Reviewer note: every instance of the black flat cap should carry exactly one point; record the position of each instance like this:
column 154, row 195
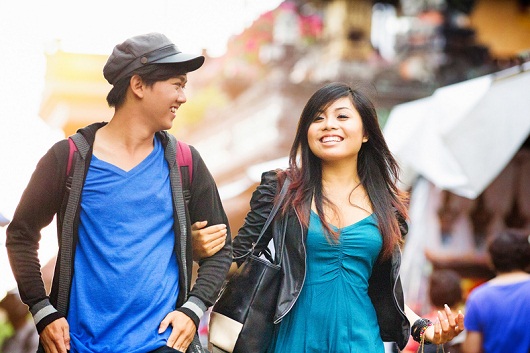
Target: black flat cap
column 145, row 49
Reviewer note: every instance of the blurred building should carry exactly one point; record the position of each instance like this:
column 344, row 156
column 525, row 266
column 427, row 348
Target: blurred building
column 75, row 90
column 244, row 106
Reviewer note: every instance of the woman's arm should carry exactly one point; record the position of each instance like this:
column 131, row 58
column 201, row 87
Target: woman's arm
column 261, row 205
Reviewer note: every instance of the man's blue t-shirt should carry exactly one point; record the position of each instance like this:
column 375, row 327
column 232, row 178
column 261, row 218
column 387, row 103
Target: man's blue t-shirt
column 125, row 270
column 500, row 312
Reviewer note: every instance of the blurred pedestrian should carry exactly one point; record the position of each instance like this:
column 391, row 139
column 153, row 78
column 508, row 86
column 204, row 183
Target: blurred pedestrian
column 445, row 288
column 344, row 218
column 129, row 273
column 25, row 338
column 497, row 312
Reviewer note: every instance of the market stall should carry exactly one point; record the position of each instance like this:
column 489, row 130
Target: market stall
column 465, row 155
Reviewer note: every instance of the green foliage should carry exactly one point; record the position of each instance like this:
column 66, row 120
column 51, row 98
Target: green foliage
column 382, row 115
column 6, row 330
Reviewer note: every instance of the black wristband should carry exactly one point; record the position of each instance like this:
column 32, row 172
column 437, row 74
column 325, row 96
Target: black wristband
column 418, row 329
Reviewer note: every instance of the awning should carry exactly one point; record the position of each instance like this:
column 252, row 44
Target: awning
column 463, row 136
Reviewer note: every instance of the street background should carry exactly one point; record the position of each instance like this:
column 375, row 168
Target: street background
column 449, row 80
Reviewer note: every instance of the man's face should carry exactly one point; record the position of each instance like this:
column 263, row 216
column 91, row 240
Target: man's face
column 163, row 99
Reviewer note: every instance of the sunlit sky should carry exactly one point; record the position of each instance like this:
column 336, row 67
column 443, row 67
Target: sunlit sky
column 95, row 26
column 29, row 28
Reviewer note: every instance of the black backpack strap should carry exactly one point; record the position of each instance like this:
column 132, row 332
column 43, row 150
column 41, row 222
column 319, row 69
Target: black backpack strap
column 73, row 187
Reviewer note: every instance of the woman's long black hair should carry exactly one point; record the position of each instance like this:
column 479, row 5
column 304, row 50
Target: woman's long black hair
column 377, row 168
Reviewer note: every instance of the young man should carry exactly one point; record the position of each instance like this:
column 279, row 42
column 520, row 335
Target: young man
column 128, row 266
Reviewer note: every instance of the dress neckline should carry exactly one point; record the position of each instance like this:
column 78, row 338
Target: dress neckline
column 354, row 224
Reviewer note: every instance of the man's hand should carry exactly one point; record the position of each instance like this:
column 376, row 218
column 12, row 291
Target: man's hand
column 55, row 337
column 183, row 330
column 206, row 241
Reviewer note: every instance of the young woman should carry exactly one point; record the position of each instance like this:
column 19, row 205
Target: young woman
column 344, row 218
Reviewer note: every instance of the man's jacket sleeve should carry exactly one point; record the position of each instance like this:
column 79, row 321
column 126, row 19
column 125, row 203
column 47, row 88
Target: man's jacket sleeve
column 38, row 205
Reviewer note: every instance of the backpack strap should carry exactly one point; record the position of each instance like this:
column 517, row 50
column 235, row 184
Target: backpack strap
column 78, row 150
column 184, row 159
column 73, row 149
column 75, row 175
column 185, row 163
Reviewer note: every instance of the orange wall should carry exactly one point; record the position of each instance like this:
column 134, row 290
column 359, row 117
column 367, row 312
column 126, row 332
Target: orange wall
column 501, row 26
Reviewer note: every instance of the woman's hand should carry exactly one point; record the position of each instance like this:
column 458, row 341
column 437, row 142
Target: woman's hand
column 447, row 327
column 206, row 241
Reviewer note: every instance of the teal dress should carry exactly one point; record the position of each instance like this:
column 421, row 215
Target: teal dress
column 334, row 312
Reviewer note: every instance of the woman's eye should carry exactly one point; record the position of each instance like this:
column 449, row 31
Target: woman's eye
column 318, row 118
column 342, row 117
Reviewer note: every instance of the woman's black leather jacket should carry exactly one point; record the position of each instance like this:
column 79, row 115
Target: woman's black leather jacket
column 385, row 288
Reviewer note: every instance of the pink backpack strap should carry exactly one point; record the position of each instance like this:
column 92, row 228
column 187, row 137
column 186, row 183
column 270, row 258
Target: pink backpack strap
column 73, row 149
column 184, row 157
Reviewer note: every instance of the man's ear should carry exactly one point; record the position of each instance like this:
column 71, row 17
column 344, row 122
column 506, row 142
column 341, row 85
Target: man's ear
column 137, row 86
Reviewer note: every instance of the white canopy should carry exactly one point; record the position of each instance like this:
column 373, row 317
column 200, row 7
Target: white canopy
column 462, row 136
column 459, row 139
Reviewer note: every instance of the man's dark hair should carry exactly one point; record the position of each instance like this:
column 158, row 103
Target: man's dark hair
column 150, row 74
column 510, row 250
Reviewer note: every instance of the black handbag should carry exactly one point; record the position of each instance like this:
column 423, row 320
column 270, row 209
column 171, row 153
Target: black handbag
column 241, row 320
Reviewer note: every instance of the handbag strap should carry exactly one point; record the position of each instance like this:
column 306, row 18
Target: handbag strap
column 280, row 242
column 270, row 218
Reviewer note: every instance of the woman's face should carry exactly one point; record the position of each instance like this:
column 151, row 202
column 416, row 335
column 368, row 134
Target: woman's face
column 337, row 134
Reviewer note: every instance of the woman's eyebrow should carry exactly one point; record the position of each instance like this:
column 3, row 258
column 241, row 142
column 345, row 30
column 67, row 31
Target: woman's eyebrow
column 343, row 108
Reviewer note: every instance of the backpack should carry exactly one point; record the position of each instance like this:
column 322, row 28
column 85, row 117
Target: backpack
column 77, row 143
column 78, row 149
column 184, row 161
